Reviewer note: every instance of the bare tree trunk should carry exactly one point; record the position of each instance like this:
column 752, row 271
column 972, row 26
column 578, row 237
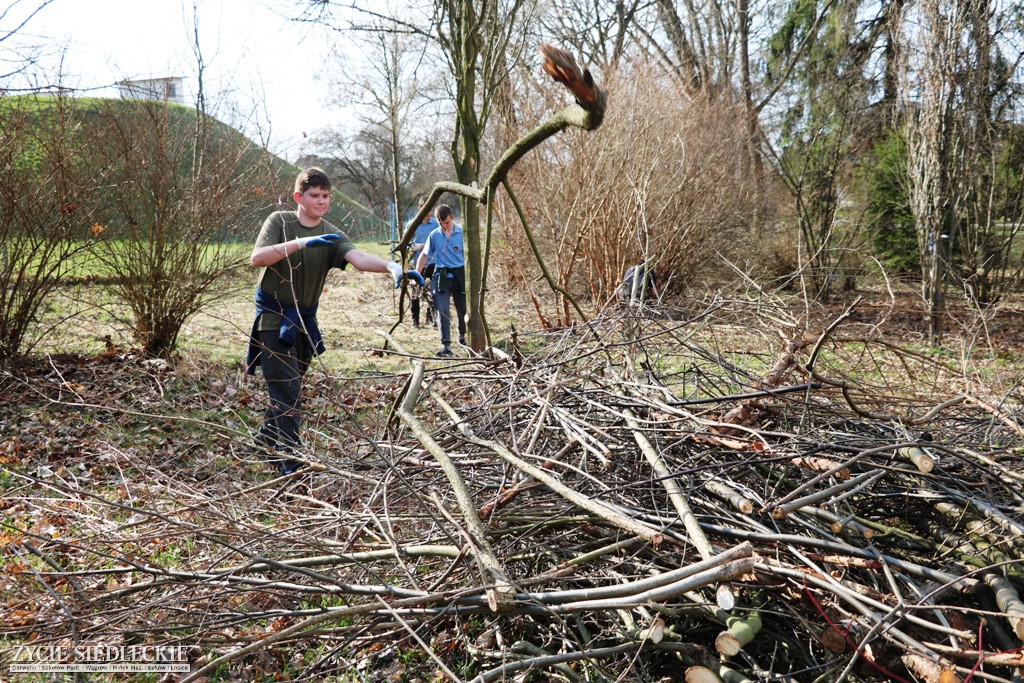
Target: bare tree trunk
column 753, row 127
column 395, row 105
column 985, row 249
column 466, row 38
column 935, row 143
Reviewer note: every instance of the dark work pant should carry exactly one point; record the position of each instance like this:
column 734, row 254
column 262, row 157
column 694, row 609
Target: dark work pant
column 442, row 303
column 428, row 272
column 283, row 369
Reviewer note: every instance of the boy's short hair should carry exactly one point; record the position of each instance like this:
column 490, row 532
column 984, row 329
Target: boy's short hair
column 442, row 212
column 312, row 177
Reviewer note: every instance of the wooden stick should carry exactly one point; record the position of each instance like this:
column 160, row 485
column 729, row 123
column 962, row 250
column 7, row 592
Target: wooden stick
column 921, row 460
column 502, row 591
column 725, row 492
column 672, row 488
column 847, row 487
column 1009, row 602
column 739, row 633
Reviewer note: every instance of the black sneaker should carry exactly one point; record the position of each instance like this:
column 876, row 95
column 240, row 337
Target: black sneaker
column 415, row 325
column 462, row 341
column 445, row 351
column 289, row 466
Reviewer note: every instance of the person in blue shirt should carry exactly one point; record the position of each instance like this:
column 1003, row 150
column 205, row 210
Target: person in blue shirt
column 423, row 231
column 444, row 246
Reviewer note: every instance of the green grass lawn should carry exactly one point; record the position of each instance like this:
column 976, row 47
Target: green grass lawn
column 85, row 317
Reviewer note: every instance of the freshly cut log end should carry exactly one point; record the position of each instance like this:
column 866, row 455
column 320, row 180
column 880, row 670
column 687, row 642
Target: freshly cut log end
column 740, row 632
column 700, row 674
column 921, row 460
column 852, row 527
column 928, row 670
column 725, row 492
column 727, row 644
column 724, row 597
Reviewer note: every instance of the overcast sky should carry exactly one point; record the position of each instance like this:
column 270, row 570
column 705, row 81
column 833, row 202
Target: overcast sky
column 263, row 72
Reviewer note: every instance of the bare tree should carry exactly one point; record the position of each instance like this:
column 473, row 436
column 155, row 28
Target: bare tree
column 172, row 210
column 472, row 37
column 362, row 165
column 181, row 188
column 598, row 31
column 475, row 40
column 938, row 136
column 996, row 45
column 828, row 97
column 587, row 113
column 389, row 89
column 702, row 43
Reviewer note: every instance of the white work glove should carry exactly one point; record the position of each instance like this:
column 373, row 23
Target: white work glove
column 318, row 240
column 396, row 271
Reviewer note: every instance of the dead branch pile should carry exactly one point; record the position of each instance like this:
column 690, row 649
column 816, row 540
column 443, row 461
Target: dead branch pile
column 616, row 502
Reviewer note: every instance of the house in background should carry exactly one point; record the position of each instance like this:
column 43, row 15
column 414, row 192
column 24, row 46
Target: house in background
column 169, row 89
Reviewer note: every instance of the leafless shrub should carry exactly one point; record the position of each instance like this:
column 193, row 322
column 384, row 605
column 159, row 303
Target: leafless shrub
column 179, row 194
column 664, row 178
column 776, row 257
column 44, row 216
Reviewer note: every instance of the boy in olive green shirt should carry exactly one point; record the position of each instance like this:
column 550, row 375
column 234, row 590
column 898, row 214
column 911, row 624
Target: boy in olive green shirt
column 294, row 251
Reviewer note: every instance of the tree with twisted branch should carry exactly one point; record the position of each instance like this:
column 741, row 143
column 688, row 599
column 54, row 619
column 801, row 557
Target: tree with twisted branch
column 587, row 113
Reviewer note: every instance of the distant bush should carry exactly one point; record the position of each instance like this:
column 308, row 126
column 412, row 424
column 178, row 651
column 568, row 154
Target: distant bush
column 181, row 187
column 665, row 178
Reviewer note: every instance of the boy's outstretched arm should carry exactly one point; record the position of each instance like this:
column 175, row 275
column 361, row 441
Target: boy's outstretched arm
column 272, row 253
column 373, row 264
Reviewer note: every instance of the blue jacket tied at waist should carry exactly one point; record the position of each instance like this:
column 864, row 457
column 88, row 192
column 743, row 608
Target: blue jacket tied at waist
column 294, row 319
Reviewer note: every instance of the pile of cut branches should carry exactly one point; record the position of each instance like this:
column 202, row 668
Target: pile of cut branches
column 634, row 499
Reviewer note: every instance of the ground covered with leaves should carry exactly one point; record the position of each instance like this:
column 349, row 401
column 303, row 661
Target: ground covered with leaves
column 739, row 488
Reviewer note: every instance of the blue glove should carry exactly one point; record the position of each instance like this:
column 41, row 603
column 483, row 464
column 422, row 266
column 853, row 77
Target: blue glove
column 410, row 275
column 319, row 240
